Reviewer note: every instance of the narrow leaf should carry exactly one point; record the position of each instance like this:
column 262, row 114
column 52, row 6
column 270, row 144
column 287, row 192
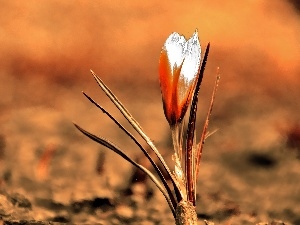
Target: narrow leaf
column 138, row 128
column 117, row 150
column 139, row 145
column 190, row 155
column 205, row 134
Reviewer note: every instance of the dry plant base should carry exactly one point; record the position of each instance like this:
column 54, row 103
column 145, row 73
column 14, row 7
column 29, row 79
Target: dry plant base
column 186, row 213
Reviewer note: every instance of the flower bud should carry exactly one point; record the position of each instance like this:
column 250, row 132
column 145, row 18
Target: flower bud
column 179, row 65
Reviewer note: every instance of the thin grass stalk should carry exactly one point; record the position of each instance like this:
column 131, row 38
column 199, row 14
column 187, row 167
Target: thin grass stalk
column 204, row 133
column 138, row 128
column 189, row 156
column 176, row 131
column 158, row 171
column 117, row 150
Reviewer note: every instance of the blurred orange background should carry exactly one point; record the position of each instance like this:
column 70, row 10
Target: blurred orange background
column 63, row 40
column 51, row 44
column 48, row 47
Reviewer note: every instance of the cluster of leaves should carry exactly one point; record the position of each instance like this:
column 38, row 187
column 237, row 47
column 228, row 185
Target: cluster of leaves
column 180, row 72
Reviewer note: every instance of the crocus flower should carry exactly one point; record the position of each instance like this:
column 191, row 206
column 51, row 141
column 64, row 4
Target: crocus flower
column 178, row 69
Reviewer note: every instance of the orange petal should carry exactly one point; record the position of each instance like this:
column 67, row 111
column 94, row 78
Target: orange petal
column 166, row 83
column 178, row 69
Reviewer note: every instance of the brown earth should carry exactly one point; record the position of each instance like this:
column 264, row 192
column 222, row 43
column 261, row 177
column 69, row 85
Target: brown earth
column 50, row 172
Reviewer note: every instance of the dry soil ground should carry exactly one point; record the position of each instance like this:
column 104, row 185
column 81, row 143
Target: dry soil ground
column 250, row 169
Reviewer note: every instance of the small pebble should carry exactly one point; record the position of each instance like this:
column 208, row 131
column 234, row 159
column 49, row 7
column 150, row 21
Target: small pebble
column 124, row 212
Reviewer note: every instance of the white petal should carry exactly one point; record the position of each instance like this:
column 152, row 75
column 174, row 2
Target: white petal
column 174, row 47
column 192, row 57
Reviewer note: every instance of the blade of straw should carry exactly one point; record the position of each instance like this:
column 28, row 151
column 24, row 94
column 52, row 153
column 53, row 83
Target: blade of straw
column 117, row 150
column 138, row 128
column 190, row 155
column 205, row 127
column 139, row 145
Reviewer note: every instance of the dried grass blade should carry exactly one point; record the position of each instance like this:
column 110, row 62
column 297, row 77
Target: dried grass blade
column 158, row 171
column 138, row 128
column 190, row 152
column 115, row 100
column 204, row 134
column 117, row 150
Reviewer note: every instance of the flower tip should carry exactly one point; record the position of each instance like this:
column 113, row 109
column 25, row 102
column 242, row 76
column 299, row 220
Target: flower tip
column 178, row 69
